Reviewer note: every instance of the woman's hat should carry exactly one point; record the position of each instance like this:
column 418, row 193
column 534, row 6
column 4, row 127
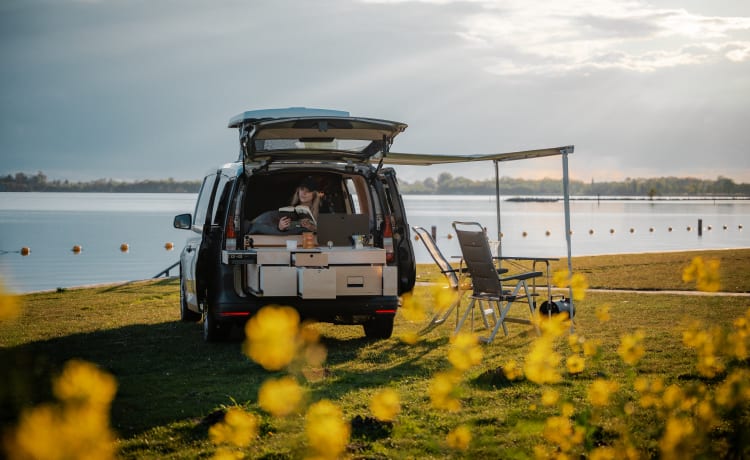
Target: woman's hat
column 309, row 183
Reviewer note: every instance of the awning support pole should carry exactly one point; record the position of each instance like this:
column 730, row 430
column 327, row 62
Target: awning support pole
column 497, row 210
column 566, row 198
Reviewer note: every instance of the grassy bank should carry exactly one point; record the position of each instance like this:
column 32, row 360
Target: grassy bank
column 170, row 381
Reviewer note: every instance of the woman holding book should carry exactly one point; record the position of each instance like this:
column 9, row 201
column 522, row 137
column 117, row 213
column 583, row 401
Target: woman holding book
column 307, row 196
column 300, row 217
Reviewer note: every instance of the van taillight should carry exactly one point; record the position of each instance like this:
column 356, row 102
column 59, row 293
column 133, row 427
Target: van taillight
column 231, row 235
column 388, row 240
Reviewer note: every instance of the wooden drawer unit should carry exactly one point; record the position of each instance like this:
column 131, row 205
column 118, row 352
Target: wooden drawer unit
column 272, row 281
column 316, row 283
column 359, row 280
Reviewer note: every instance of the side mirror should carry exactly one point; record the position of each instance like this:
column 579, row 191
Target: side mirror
column 183, row 221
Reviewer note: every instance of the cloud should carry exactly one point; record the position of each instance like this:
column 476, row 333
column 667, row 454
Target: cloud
column 521, row 37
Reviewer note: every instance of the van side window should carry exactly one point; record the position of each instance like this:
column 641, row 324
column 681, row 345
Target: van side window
column 204, row 199
column 353, row 196
column 220, row 209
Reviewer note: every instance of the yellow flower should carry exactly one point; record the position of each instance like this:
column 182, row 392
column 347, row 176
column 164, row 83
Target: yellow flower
column 550, row 397
column 591, row 347
column 602, row 313
column 465, row 351
column 385, row 405
column 327, row 432
column 575, row 364
column 673, row 397
column 631, row 348
column 600, row 391
column 561, row 432
column 271, row 337
column 541, row 365
column 604, row 453
column 574, row 342
column 567, row 409
column 577, row 283
column 10, row 306
column 223, row 453
column 412, row 308
column 280, row 397
column 442, row 391
column 443, row 296
column 554, row 326
column 734, row 390
column 459, row 438
column 676, row 442
column 83, row 383
column 512, row 370
column 55, row 432
column 409, row 337
column 704, row 273
column 238, row 428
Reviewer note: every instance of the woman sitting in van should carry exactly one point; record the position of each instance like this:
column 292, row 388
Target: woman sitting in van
column 293, row 219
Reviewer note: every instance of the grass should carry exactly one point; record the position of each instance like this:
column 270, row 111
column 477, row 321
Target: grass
column 170, row 381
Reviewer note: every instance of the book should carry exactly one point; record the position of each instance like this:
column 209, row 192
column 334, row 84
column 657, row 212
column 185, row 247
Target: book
column 297, row 213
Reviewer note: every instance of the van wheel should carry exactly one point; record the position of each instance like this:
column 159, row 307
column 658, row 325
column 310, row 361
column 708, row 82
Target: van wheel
column 187, row 315
column 213, row 330
column 380, row 327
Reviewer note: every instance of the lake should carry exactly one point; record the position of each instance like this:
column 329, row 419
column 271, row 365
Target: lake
column 50, row 224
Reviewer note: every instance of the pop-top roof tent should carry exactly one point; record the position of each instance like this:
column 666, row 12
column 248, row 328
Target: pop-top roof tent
column 288, row 132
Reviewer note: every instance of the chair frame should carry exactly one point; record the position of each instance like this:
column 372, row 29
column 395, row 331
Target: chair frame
column 488, row 286
column 453, row 275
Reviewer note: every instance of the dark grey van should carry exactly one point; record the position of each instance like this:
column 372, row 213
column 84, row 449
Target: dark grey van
column 352, row 270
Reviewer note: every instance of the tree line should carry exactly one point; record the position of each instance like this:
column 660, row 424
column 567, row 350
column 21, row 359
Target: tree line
column 21, row 182
column 445, row 184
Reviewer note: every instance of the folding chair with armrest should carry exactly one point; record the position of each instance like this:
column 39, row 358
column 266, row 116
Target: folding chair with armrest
column 487, row 286
column 451, row 274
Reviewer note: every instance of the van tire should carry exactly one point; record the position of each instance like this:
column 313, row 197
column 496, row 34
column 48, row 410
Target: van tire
column 187, row 315
column 378, row 328
column 213, row 330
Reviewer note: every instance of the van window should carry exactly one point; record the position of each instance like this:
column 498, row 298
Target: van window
column 220, row 207
column 353, row 196
column 204, row 199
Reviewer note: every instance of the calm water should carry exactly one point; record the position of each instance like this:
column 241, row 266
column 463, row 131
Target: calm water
column 52, row 223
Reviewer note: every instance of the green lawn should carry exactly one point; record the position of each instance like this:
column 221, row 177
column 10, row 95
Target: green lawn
column 169, row 380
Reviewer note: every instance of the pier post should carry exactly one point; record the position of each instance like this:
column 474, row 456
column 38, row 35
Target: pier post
column 700, row 227
column 433, row 231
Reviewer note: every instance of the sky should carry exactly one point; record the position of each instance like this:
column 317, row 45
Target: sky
column 138, row 89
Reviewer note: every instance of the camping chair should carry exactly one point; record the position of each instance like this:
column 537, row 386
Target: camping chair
column 488, row 285
column 451, row 274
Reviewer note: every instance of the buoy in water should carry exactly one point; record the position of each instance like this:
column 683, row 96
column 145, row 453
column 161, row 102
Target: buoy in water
column 612, row 231
column 25, row 251
column 632, row 230
column 669, row 229
column 547, row 233
column 524, row 234
column 77, row 249
column 124, row 247
column 450, row 237
column 168, row 245
column 689, row 228
column 591, row 231
column 651, row 229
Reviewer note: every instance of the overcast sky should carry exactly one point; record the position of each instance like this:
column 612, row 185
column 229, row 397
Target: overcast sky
column 144, row 89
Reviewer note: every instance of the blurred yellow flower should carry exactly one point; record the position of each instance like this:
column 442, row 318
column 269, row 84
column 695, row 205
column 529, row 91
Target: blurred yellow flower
column 223, row 453
column 631, row 348
column 512, row 370
column 705, row 274
column 442, row 391
column 592, row 347
column 83, row 383
column 677, row 441
column 409, row 337
column 600, row 390
column 271, row 337
column 465, row 351
column 561, row 432
column 602, row 313
column 577, row 283
column 541, row 365
column 550, row 397
column 554, row 326
column 412, row 308
column 238, row 428
column 567, row 409
column 280, row 397
column 604, row 453
column 443, row 296
column 55, row 432
column 459, row 438
column 574, row 342
column 575, row 364
column 734, row 390
column 10, row 305
column 327, row 432
column 650, row 391
column 385, row 405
